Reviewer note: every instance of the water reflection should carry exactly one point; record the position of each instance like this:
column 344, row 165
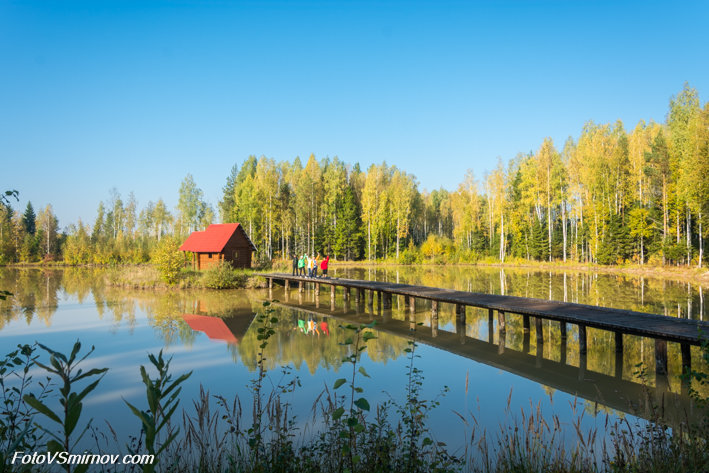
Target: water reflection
column 552, row 357
column 310, row 334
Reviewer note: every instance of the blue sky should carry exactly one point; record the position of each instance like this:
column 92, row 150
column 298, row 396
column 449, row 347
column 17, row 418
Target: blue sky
column 135, row 95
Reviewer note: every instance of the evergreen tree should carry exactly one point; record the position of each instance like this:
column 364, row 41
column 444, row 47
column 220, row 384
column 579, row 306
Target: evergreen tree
column 348, row 235
column 29, row 219
column 539, row 245
column 227, row 205
column 617, row 245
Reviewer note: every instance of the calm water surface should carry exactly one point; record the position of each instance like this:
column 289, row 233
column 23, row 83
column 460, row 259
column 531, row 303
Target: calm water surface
column 211, row 333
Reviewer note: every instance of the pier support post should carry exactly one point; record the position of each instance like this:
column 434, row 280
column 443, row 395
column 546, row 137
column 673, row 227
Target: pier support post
column 490, row 325
column 501, row 321
column 562, row 346
column 501, row 335
column 582, row 340
column 662, row 382
column 287, row 285
column 370, row 301
column 540, row 341
column 387, row 300
column 460, row 322
column 540, row 332
column 300, row 286
column 412, row 308
column 618, row 342
column 434, row 318
column 270, row 283
column 346, row 293
column 525, row 341
column 460, row 313
column 525, row 323
column 619, row 355
column 619, row 364
column 686, row 357
column 562, row 330
column 332, row 297
column 583, row 362
column 686, row 366
column 660, row 357
column 317, row 289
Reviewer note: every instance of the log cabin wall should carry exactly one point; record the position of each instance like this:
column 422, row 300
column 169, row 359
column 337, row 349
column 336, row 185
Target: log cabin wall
column 238, row 251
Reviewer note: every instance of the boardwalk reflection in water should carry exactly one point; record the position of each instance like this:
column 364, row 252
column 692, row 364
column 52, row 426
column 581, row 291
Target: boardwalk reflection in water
column 623, row 393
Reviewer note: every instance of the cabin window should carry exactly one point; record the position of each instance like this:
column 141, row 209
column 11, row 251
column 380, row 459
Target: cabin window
column 236, row 255
column 210, row 256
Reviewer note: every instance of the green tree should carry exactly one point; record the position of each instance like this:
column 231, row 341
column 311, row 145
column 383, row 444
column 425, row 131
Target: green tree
column 334, row 185
column 29, row 219
column 97, row 232
column 401, row 193
column 47, row 231
column 190, row 206
column 640, row 227
column 348, row 233
column 227, row 205
column 161, row 218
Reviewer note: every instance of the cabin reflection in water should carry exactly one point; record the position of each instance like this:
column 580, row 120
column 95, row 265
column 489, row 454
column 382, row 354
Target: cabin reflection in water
column 230, row 328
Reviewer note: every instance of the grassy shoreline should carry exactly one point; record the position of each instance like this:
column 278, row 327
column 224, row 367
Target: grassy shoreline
column 148, row 277
column 679, row 273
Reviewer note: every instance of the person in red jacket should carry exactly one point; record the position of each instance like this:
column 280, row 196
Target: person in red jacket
column 323, row 265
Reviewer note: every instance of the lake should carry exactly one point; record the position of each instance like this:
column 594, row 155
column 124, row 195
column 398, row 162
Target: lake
column 213, row 334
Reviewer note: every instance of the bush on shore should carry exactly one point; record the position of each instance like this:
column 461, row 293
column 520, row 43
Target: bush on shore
column 221, row 276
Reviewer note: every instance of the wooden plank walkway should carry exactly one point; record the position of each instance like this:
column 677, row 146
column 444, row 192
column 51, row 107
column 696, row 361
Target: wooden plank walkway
column 622, row 322
column 614, row 320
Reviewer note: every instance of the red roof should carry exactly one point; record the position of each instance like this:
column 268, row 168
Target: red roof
column 213, row 327
column 214, row 238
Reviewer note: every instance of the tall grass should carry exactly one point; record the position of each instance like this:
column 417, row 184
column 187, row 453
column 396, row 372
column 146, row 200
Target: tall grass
column 219, row 276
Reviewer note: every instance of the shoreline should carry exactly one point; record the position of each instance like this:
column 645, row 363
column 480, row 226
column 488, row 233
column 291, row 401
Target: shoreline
column 694, row 275
column 682, row 273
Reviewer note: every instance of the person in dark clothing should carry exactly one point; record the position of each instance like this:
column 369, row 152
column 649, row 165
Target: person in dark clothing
column 295, row 265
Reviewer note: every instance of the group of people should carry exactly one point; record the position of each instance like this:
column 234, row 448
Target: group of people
column 305, row 262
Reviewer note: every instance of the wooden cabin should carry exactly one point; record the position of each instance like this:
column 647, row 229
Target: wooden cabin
column 220, row 242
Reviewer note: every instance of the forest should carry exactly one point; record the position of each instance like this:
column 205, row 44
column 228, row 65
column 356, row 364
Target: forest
column 610, row 196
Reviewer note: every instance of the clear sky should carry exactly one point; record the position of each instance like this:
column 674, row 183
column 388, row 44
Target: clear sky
column 136, row 94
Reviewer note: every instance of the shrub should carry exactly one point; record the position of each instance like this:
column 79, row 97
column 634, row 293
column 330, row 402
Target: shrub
column 168, row 259
column 223, row 276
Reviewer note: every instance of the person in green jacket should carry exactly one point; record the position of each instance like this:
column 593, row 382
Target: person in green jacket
column 301, row 266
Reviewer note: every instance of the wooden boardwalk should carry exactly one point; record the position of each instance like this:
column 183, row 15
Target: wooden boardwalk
column 621, row 322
